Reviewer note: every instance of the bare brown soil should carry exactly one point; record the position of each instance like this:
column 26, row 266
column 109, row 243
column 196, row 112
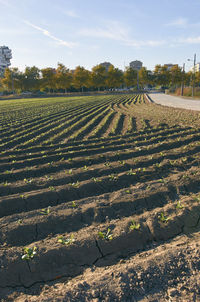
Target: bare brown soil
column 135, row 179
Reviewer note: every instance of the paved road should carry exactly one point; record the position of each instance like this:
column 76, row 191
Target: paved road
column 175, row 101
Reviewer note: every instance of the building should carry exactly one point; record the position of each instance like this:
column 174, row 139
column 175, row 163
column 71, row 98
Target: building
column 196, row 68
column 136, row 65
column 106, row 65
column 169, row 66
column 5, row 57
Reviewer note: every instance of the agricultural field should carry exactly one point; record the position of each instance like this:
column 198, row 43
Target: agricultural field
column 99, row 200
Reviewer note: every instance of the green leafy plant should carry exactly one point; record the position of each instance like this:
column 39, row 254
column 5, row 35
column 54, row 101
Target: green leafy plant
column 74, row 205
column 197, row 198
column 179, row 206
column 51, row 188
column 113, row 177
column 75, row 184
column 96, row 179
column 28, row 181
column 163, row 218
column 66, row 241
column 131, row 172
column 29, row 253
column 45, row 211
column 106, row 235
column 134, row 226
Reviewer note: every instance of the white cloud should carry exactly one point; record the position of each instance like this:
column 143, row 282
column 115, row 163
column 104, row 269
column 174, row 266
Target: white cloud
column 71, row 13
column 190, row 40
column 6, row 3
column 179, row 22
column 183, row 23
column 48, row 34
column 117, row 32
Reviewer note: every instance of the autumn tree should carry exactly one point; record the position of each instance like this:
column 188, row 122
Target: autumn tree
column 176, row 75
column 114, row 77
column 98, row 76
column 130, row 77
column 162, row 75
column 48, row 80
column 144, row 77
column 31, row 78
column 81, row 78
column 63, row 77
column 13, row 80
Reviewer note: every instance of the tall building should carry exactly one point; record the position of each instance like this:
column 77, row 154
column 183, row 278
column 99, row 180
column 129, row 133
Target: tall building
column 136, row 65
column 106, row 65
column 5, row 57
column 196, row 68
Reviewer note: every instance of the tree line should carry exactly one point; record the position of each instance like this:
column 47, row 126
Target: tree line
column 62, row 79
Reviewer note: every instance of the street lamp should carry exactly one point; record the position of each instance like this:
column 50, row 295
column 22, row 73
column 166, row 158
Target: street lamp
column 193, row 84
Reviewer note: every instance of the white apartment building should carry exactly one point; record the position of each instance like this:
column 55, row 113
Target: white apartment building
column 196, row 68
column 5, row 57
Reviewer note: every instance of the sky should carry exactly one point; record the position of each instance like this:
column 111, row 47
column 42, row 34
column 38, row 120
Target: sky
column 89, row 32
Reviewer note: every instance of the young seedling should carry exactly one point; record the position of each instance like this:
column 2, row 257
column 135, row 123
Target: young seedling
column 29, row 253
column 130, row 172
column 106, row 235
column 163, row 218
column 51, row 188
column 28, row 181
column 96, row 179
column 197, row 198
column 66, row 241
column 179, row 206
column 75, row 184
column 74, row 205
column 134, row 226
column 113, row 177
column 45, row 211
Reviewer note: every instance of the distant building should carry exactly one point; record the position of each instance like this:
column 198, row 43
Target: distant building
column 5, row 57
column 196, row 68
column 106, row 65
column 169, row 66
column 136, row 65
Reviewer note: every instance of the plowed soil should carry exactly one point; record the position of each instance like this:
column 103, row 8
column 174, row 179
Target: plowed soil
column 106, row 191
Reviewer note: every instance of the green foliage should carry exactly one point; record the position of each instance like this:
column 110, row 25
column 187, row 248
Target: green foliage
column 29, row 253
column 179, row 205
column 74, row 205
column 163, row 218
column 66, row 241
column 106, row 235
column 134, row 226
column 45, row 211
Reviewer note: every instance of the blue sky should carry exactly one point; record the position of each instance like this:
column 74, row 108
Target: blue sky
column 88, row 32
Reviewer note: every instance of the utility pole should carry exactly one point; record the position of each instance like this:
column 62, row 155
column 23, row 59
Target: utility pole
column 193, row 85
column 183, row 77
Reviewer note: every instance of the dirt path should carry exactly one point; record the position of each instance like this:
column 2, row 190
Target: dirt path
column 175, row 101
